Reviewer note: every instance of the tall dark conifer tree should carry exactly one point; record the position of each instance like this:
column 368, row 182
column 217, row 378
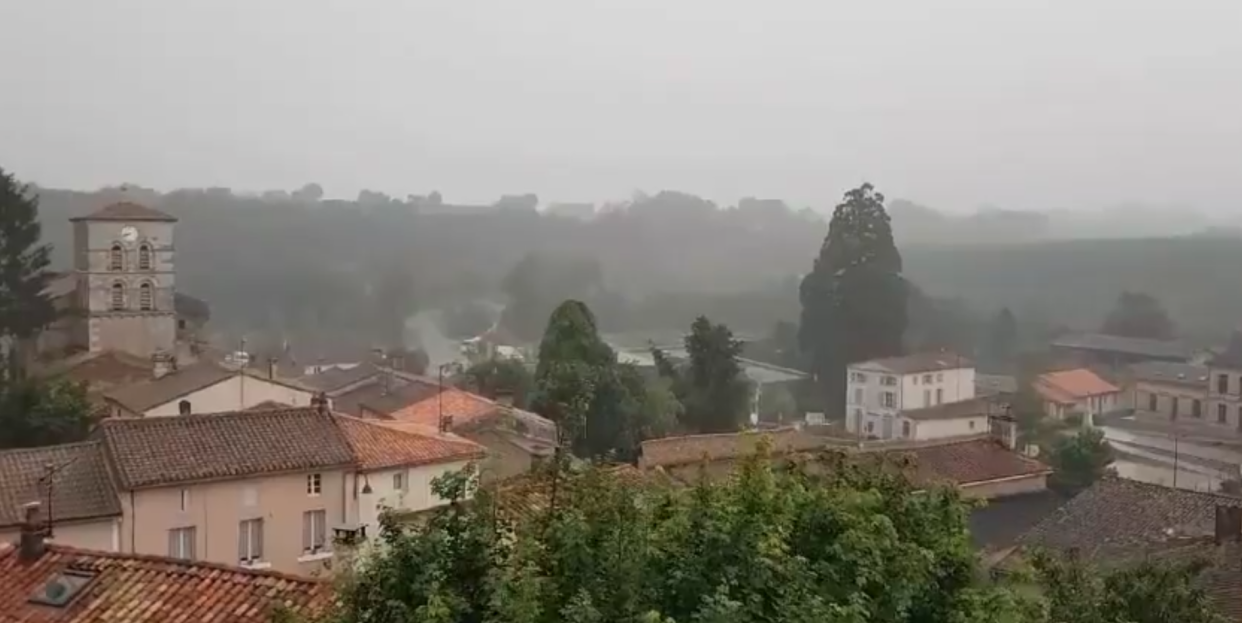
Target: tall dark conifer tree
column 24, row 305
column 854, row 298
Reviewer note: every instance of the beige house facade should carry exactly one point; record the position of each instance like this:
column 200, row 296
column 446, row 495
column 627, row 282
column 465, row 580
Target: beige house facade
column 204, row 387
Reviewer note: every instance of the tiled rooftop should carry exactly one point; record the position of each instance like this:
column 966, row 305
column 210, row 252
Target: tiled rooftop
column 917, row 363
column 158, row 451
column 1070, row 386
column 81, row 487
column 126, row 211
column 149, row 589
column 376, row 446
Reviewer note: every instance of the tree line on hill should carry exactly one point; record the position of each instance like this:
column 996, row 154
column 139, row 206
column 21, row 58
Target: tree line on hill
column 293, row 265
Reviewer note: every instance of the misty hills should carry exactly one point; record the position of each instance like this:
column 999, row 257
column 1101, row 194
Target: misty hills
column 288, row 264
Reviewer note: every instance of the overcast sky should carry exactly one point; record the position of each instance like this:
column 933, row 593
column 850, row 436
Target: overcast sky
column 953, row 103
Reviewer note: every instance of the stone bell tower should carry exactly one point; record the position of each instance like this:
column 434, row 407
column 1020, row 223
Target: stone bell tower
column 125, row 269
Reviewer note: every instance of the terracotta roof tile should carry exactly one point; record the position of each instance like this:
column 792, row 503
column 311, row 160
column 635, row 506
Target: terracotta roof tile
column 961, row 460
column 920, row 362
column 126, row 211
column 82, row 487
column 463, row 407
column 159, row 451
column 376, row 446
column 131, row 588
column 1068, row 386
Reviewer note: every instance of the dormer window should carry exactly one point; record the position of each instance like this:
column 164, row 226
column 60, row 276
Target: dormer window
column 146, row 297
column 116, row 258
column 144, row 257
column 118, row 296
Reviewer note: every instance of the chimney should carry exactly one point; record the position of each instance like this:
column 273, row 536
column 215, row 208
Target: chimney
column 271, row 367
column 504, row 397
column 1228, row 523
column 161, row 364
column 31, row 546
column 320, row 403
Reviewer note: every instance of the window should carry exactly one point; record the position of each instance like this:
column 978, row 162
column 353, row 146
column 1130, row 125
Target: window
column 185, row 500
column 858, row 395
column 927, row 379
column 250, row 541
column 927, row 398
column 1196, row 408
column 1175, row 401
column 905, row 428
column 972, row 425
column 890, row 381
column 1222, row 383
column 314, row 531
column 890, row 399
column 314, row 484
column 859, row 377
column 940, row 377
column 144, row 257
column 116, row 258
column 939, row 395
column 118, row 296
column 398, row 482
column 1153, row 402
column 1222, row 414
column 146, row 299
column 181, row 324
column 181, row 543
column 870, row 427
column 184, row 407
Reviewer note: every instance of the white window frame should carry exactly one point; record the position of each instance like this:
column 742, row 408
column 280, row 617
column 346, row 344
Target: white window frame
column 314, row 485
column 250, row 541
column 316, row 521
column 181, row 542
column 184, row 502
column 398, row 481
column 888, row 400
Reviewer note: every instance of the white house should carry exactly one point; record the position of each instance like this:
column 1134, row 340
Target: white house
column 204, row 387
column 879, row 391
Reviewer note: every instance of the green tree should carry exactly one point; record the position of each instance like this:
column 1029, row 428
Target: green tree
column 25, row 308
column 846, row 544
column 495, row 377
column 1000, row 346
column 1137, row 314
column 717, row 394
column 35, row 412
column 600, row 404
column 854, row 298
column 1079, row 460
column 1076, row 592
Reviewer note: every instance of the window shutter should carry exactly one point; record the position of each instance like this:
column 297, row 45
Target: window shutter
column 191, row 536
column 258, row 538
column 306, row 531
column 172, row 544
column 242, row 529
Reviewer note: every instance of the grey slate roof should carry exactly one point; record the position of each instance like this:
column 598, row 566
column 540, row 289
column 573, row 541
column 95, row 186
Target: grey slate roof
column 1156, row 349
column 1171, row 372
column 1117, row 518
column 974, row 407
column 336, row 378
column 81, row 487
column 140, row 397
column 157, row 451
column 917, row 363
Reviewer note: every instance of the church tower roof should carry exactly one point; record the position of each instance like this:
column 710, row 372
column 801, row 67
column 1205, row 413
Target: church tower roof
column 126, row 211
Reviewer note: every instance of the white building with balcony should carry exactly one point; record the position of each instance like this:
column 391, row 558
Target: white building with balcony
column 901, row 397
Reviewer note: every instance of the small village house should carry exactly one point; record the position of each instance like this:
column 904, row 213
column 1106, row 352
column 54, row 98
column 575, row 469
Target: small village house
column 202, row 387
column 1169, row 391
column 1078, row 392
column 44, row 581
column 1225, row 384
column 880, row 393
